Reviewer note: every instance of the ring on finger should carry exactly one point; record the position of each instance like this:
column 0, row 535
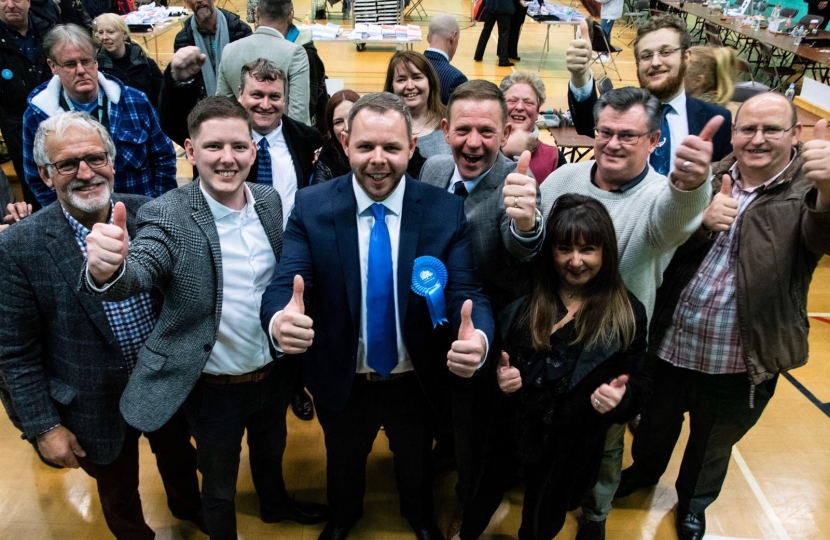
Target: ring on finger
column 597, row 403
column 686, row 164
column 515, row 202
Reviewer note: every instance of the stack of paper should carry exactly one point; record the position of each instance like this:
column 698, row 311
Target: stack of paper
column 325, row 32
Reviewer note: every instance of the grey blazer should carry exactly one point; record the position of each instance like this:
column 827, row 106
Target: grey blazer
column 58, row 354
column 177, row 248
column 268, row 43
column 497, row 252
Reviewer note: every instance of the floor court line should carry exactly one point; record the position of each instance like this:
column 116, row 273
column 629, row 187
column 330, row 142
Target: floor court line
column 759, row 495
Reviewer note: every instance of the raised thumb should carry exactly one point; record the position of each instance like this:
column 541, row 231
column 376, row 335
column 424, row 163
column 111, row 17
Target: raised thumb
column 504, row 361
column 584, row 32
column 297, row 298
column 726, row 186
column 820, row 130
column 465, row 331
column 524, row 163
column 619, row 382
column 119, row 216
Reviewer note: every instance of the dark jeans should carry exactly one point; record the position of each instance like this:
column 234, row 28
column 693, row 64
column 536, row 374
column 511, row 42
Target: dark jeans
column 719, row 413
column 219, row 414
column 400, row 406
column 118, row 481
column 607, row 26
column 490, row 20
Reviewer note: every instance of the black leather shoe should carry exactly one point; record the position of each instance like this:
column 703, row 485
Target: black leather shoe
column 307, row 513
column 690, row 526
column 429, row 531
column 302, row 406
column 506, row 64
column 591, row 530
column 629, row 483
column 197, row 519
column 332, row 531
column 516, row 58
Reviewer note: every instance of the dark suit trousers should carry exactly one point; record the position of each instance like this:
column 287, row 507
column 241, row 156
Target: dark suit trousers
column 516, row 22
column 118, row 481
column 718, row 407
column 399, row 405
column 490, row 20
column 219, row 414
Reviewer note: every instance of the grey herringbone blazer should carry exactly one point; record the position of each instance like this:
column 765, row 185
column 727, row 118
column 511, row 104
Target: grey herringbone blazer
column 497, row 252
column 177, row 248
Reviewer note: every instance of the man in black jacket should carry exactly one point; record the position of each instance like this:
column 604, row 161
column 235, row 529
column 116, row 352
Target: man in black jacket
column 205, row 34
column 24, row 69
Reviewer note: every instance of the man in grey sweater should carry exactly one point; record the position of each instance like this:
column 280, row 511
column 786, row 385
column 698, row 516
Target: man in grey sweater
column 652, row 216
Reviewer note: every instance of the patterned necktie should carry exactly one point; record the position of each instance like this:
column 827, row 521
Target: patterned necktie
column 661, row 157
column 460, row 189
column 381, row 339
column 263, row 162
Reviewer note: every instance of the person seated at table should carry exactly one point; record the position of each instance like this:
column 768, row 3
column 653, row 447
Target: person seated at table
column 333, row 161
column 573, row 364
column 119, row 57
column 411, row 76
column 711, row 74
column 524, row 93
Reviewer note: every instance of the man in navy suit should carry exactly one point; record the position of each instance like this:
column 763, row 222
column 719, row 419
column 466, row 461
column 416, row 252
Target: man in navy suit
column 348, row 294
column 443, row 42
column 661, row 50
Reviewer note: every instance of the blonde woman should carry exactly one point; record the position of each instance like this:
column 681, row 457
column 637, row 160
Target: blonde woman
column 711, row 73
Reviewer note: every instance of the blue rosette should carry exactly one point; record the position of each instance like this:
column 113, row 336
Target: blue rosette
column 429, row 277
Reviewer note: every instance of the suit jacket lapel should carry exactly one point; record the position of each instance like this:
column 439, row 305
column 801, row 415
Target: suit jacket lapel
column 411, row 217
column 694, row 116
column 344, row 211
column 492, row 180
column 204, row 219
column 272, row 226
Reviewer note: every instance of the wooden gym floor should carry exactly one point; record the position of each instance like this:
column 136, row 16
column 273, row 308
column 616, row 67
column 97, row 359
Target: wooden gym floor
column 779, row 480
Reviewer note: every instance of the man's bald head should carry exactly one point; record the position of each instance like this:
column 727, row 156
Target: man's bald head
column 443, row 34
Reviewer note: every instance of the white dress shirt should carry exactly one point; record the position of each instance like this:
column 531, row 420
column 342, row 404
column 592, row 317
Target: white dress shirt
column 678, row 124
column 248, row 264
column 283, row 173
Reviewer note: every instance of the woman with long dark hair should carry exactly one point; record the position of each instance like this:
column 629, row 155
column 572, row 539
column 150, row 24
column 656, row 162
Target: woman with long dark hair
column 572, row 365
column 333, row 161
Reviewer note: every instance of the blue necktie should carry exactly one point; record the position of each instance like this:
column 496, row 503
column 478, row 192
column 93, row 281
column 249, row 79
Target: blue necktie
column 460, row 189
column 381, row 339
column 661, row 157
column 263, row 162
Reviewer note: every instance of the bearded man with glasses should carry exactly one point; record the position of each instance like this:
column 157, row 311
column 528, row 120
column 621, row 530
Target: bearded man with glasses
column 145, row 163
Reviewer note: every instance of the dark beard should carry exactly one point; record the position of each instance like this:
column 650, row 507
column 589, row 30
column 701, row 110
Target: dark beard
column 669, row 88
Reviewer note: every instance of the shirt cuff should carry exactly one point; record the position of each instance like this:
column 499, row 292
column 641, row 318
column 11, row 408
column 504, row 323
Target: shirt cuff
column 280, row 352
column 584, row 92
column 105, row 287
column 527, row 240
column 486, row 349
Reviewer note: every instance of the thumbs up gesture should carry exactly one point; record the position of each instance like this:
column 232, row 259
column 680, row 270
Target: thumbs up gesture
column 578, row 56
column 107, row 246
column 519, row 193
column 721, row 212
column 816, row 156
column 468, row 350
column 292, row 327
column 691, row 162
column 508, row 377
column 608, row 396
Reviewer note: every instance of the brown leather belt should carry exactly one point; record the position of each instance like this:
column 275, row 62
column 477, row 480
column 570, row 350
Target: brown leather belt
column 254, row 376
column 376, row 377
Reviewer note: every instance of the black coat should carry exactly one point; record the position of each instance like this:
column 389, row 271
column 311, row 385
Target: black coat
column 302, row 142
column 142, row 74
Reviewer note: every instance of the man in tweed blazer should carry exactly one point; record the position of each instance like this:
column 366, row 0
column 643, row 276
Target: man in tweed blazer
column 443, row 42
column 212, row 246
column 65, row 355
column 476, row 128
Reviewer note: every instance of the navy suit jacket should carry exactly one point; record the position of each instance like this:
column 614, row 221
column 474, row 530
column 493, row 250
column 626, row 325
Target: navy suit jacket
column 320, row 243
column 697, row 112
column 448, row 75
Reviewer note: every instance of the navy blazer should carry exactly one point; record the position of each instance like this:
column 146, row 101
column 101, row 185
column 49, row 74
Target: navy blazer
column 320, row 243
column 449, row 76
column 698, row 114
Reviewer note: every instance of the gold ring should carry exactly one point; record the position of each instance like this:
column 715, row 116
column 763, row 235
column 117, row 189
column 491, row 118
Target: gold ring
column 596, row 403
column 515, row 202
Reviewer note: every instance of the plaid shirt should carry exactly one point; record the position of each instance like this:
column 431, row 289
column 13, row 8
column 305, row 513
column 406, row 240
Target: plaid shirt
column 145, row 163
column 703, row 335
column 131, row 320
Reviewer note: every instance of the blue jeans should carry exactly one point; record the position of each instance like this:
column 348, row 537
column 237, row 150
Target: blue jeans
column 607, row 25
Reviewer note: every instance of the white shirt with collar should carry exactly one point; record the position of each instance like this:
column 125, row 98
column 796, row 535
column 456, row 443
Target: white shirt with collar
column 678, row 121
column 283, row 174
column 439, row 51
column 248, row 264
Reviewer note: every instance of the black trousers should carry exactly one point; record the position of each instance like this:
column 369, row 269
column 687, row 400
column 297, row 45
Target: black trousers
column 490, row 20
column 219, row 415
column 516, row 22
column 118, row 481
column 400, row 406
column 719, row 416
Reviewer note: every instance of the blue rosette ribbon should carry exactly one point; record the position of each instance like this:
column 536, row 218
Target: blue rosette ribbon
column 429, row 277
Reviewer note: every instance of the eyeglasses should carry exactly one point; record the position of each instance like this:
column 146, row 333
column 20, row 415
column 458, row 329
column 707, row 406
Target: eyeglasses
column 664, row 53
column 625, row 137
column 69, row 166
column 770, row 133
column 73, row 65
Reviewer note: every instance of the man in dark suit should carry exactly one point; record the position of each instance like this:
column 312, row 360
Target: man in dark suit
column 661, row 50
column 362, row 254
column 443, row 39
column 213, row 245
column 66, row 356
